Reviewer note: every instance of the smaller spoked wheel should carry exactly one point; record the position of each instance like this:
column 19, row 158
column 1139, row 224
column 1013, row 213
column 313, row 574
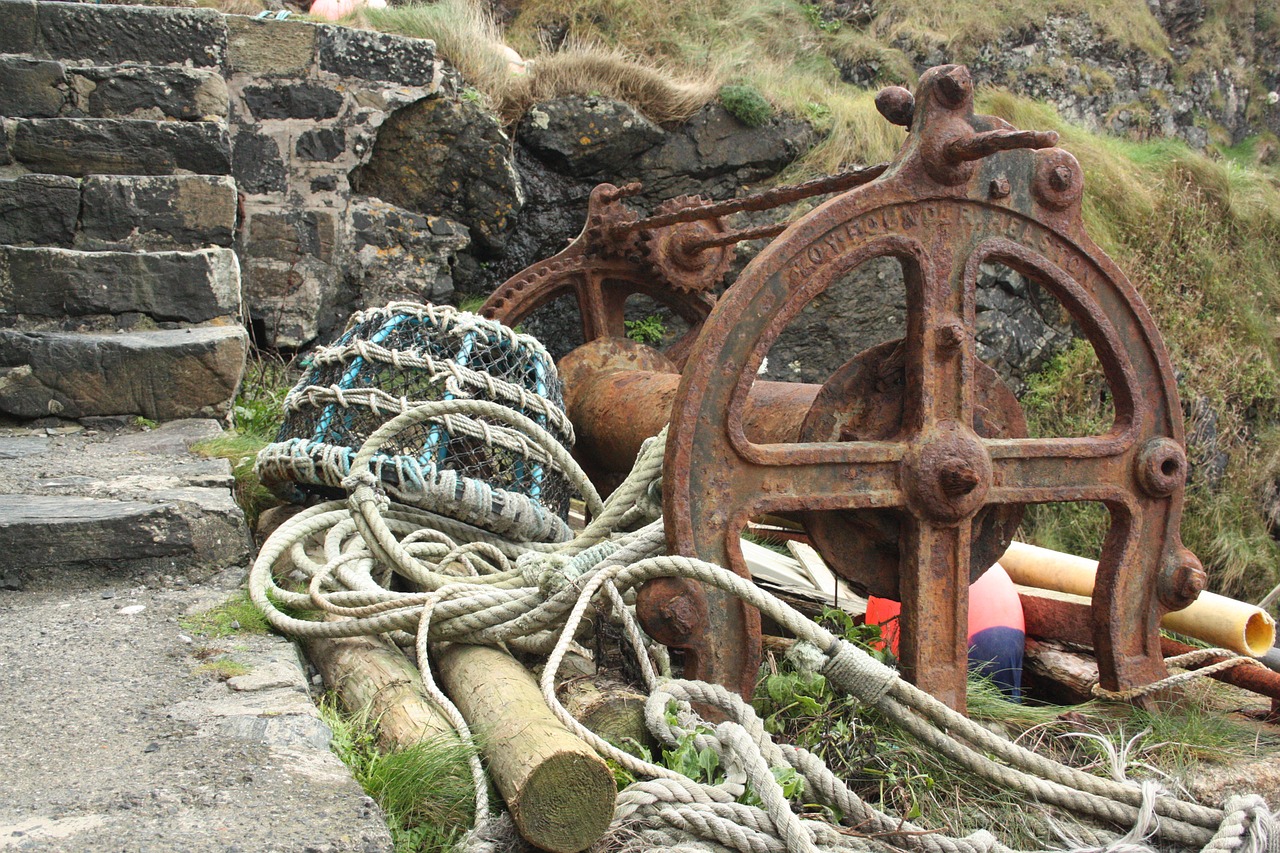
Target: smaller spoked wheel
column 600, row 287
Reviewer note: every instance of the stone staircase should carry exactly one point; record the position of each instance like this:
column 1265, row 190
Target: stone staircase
column 119, row 289
column 121, row 341
column 120, row 293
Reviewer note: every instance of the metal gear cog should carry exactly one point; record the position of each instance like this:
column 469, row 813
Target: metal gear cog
column 675, row 252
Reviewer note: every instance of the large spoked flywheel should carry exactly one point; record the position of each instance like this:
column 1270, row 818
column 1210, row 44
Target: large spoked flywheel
column 952, row 463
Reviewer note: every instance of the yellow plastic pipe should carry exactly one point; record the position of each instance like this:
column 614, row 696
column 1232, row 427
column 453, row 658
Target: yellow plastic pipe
column 1215, row 619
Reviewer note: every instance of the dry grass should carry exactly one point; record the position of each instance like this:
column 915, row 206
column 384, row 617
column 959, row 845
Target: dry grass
column 963, row 27
column 662, row 96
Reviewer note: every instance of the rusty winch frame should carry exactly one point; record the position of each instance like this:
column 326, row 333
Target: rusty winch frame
column 911, row 464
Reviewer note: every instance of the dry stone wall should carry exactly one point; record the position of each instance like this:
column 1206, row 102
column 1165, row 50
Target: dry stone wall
column 169, row 177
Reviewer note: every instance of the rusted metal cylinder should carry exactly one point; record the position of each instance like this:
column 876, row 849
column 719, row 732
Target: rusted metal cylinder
column 619, row 393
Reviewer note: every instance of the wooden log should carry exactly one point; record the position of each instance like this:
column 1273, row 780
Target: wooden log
column 610, row 708
column 559, row 792
column 373, row 677
column 1060, row 674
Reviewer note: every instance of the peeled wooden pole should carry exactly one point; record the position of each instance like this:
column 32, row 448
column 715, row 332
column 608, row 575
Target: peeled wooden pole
column 371, row 676
column 1222, row 621
column 607, row 707
column 559, row 792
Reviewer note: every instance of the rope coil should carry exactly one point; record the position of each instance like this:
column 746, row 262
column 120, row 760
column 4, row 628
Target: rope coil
column 479, row 587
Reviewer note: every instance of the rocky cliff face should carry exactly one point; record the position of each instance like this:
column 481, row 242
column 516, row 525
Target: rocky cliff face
column 1216, row 80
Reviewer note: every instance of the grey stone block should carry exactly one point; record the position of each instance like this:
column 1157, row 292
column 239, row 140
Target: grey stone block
column 41, row 531
column 322, row 144
column 74, row 146
column 190, row 287
column 116, row 34
column 370, row 55
column 256, row 163
column 162, row 375
column 157, row 212
column 289, row 236
column 294, row 100
column 151, row 92
column 270, row 48
column 39, row 209
column 29, row 87
column 18, row 26
column 400, row 254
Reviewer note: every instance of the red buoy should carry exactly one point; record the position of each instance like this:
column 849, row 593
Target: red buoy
column 997, row 632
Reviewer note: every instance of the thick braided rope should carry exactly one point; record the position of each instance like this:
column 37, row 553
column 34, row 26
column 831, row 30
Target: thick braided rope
column 1229, row 660
column 559, row 593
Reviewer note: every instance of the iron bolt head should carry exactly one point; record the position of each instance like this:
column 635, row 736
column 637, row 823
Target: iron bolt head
column 950, row 337
column 1161, row 467
column 1182, row 580
column 999, row 187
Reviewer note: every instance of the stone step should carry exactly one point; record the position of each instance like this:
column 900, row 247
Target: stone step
column 104, row 212
column 181, row 287
column 118, row 146
column 44, row 88
column 127, row 500
column 160, row 375
column 111, row 35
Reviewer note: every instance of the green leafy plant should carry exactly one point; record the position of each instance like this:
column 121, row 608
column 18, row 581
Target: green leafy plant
column 647, row 330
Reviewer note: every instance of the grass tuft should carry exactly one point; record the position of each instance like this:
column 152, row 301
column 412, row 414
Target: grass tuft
column 664, row 96
column 237, row 615
column 425, row 791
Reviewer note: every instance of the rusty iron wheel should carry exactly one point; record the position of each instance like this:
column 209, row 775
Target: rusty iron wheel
column 938, row 212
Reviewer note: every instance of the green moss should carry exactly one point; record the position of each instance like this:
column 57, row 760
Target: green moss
column 222, row 669
column 236, row 615
column 745, row 103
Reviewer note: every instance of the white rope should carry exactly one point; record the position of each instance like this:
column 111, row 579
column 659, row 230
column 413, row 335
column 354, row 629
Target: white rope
column 479, row 588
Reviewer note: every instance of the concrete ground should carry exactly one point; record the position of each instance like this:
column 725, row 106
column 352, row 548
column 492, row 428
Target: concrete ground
column 116, row 734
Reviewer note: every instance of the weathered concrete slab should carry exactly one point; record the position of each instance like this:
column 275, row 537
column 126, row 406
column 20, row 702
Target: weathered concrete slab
column 161, row 375
column 164, row 756
column 127, row 502
column 187, row 287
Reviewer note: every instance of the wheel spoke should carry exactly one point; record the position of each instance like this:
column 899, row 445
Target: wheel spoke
column 939, row 346
column 934, row 583
column 1061, row 469
column 601, row 307
column 849, row 475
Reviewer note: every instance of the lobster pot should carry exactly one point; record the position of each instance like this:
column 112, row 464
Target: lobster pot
column 476, row 469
